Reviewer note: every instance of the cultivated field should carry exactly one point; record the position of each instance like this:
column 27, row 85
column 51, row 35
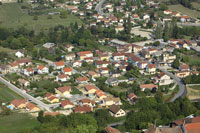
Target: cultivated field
column 16, row 122
column 184, row 10
column 12, row 16
column 7, row 95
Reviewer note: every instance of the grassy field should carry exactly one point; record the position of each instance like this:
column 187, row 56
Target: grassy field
column 184, row 10
column 7, row 95
column 12, row 16
column 16, row 122
column 7, row 50
column 193, row 92
column 196, row 5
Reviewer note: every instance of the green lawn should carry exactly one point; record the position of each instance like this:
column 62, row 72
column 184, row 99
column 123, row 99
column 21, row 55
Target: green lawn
column 7, row 95
column 12, row 16
column 184, row 10
column 16, row 122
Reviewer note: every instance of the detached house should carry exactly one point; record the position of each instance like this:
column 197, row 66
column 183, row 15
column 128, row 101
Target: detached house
column 87, row 102
column 143, row 87
column 24, row 62
column 51, row 98
column 118, row 56
column 67, row 70
column 28, row 71
column 67, row 104
column 111, row 100
column 162, row 79
column 151, row 68
column 184, row 67
column 182, row 74
column 93, row 74
column 70, row 57
column 91, row 89
column 19, row 103
column 32, row 107
column 42, row 69
column 83, row 109
column 84, row 54
column 77, row 64
column 115, row 111
column 132, row 98
column 64, row 91
column 100, row 64
column 82, row 80
column 62, row 78
column 69, row 47
column 59, row 65
column 100, row 94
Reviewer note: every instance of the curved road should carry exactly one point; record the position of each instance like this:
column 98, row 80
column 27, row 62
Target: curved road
column 182, row 88
column 98, row 7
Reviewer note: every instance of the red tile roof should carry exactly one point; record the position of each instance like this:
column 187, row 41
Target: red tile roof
column 67, row 69
column 82, row 109
column 30, row 69
column 151, row 66
column 111, row 130
column 48, row 94
column 64, row 88
column 192, row 128
column 90, row 87
column 41, row 67
column 18, row 102
column 60, row 63
column 82, row 79
column 87, row 101
column 61, row 76
column 51, row 113
column 150, row 86
column 83, row 53
column 31, row 106
column 66, row 102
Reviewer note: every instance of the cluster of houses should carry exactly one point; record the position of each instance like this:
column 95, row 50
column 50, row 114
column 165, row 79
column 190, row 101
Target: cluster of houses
column 189, row 124
column 23, row 104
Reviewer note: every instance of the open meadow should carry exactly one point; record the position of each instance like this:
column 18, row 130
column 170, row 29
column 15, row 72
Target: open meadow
column 184, row 10
column 13, row 16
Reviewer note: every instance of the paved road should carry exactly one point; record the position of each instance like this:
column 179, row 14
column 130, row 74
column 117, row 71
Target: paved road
column 182, row 88
column 25, row 95
column 99, row 6
column 116, row 124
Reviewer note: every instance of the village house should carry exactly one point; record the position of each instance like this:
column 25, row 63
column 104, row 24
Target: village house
column 69, row 47
column 111, row 100
column 184, row 19
column 182, row 74
column 23, row 62
column 93, row 74
column 63, row 91
column 100, row 94
column 162, row 79
column 167, row 12
column 100, row 64
column 136, row 49
column 62, row 78
column 18, row 103
column 87, row 102
column 115, row 111
column 91, row 89
column 67, row 104
column 89, row 60
column 143, row 87
column 132, row 98
column 112, row 81
column 43, row 69
column 115, row 73
column 82, row 80
column 4, row 69
column 23, row 83
column 28, row 71
column 184, row 67
column 104, row 71
column 59, row 65
column 70, row 57
column 30, row 107
column 84, row 54
column 151, row 68
column 14, row 67
column 118, row 56
column 67, row 70
column 83, row 109
column 166, row 57
column 19, row 54
column 145, row 53
column 142, row 64
column 50, row 97
column 77, row 64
